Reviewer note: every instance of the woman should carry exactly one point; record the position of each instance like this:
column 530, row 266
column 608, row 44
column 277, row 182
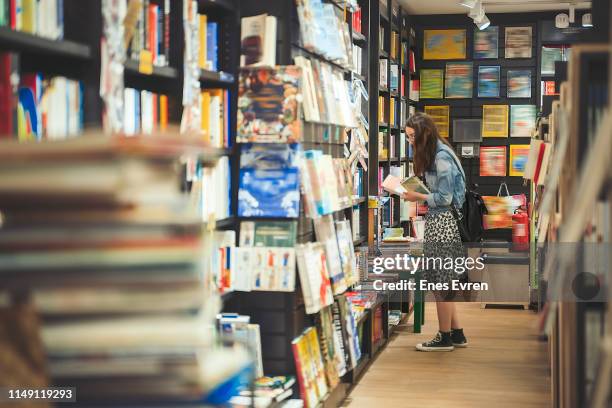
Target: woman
column 435, row 159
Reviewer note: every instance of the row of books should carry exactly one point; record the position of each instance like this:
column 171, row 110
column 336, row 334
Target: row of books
column 210, row 189
column 326, row 267
column 144, row 112
column 394, row 51
column 327, row 351
column 324, row 31
column 118, row 264
column 151, row 32
column 326, row 94
column 208, row 33
column 44, row 18
column 38, row 107
column 215, row 108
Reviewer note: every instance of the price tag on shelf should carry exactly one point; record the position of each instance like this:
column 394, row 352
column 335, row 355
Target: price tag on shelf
column 146, row 62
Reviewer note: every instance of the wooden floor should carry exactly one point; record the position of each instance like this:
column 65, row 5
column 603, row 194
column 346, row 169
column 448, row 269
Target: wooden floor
column 504, row 366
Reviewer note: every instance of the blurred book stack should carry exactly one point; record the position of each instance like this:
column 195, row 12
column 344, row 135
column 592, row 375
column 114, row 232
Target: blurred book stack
column 100, row 233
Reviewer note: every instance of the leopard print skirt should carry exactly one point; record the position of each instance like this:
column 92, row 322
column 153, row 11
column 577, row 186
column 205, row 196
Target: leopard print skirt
column 442, row 241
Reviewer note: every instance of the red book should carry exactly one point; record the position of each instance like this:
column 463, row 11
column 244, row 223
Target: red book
column 8, row 94
column 403, row 85
column 549, row 88
column 412, row 64
column 152, row 34
column 13, row 14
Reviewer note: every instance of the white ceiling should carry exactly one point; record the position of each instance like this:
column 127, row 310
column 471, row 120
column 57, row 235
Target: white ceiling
column 491, row 6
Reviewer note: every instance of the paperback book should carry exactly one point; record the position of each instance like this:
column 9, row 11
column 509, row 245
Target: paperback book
column 268, row 105
column 314, row 276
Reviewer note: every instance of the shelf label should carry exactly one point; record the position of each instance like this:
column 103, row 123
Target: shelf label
column 146, row 62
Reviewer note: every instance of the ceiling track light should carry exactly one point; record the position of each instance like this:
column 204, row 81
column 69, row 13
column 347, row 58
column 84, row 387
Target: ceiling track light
column 587, row 20
column 468, row 3
column 483, row 23
column 477, row 11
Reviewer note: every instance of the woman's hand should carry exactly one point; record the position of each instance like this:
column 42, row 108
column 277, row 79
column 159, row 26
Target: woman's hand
column 414, row 196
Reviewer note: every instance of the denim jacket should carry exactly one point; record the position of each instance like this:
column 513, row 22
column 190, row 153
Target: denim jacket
column 446, row 181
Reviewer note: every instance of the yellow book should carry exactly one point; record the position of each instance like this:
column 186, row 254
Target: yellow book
column 28, row 15
column 203, row 19
column 392, row 112
column 219, row 124
column 163, row 112
column 206, row 115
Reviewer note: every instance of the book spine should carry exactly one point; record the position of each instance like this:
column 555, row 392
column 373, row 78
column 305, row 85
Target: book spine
column 167, row 31
column 299, row 368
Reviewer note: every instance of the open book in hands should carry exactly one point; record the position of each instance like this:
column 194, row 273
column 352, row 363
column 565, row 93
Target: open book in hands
column 398, row 186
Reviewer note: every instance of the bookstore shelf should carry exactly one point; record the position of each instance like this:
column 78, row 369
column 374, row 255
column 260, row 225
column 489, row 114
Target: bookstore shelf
column 319, row 56
column 383, row 90
column 216, row 78
column 359, row 38
column 226, row 5
column 24, row 42
column 384, row 54
column 132, row 68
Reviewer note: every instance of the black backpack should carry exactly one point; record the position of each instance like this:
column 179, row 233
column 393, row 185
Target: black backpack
column 470, row 221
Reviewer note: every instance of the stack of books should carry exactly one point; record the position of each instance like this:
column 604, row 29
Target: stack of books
column 39, row 107
column 117, row 264
column 151, row 38
column 44, row 18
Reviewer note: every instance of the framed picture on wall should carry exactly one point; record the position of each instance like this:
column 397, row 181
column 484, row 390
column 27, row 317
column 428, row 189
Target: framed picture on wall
column 441, row 117
column 522, row 120
column 458, row 83
column 494, row 120
column 488, row 81
column 493, row 161
column 518, row 159
column 432, row 84
column 518, row 42
column 444, row 44
column 519, row 83
column 486, row 43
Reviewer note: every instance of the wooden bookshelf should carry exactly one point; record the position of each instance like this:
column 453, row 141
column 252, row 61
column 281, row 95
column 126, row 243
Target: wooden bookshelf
column 18, row 41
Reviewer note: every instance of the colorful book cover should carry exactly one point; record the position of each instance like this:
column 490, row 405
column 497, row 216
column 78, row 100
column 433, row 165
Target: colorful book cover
column 347, row 252
column 522, row 120
column 494, row 120
column 269, row 184
column 317, row 361
column 268, row 105
column 306, row 375
column 488, row 81
column 518, row 159
column 314, row 276
column 519, row 83
column 518, row 42
column 212, row 48
column 441, row 117
column 493, row 161
column 326, row 234
column 268, row 233
column 444, row 44
column 432, row 84
column 486, row 43
column 458, row 80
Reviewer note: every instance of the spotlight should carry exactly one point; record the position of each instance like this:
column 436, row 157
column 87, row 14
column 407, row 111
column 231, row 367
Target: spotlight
column 483, row 23
column 468, row 3
column 587, row 20
column 477, row 12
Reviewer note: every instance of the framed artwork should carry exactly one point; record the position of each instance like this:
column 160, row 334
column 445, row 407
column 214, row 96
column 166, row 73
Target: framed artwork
column 432, row 84
column 488, row 81
column 458, row 82
column 486, row 43
column 518, row 159
column 518, row 42
column 549, row 56
column 493, row 161
column 494, row 120
column 444, row 44
column 519, row 83
column 522, row 120
column 441, row 117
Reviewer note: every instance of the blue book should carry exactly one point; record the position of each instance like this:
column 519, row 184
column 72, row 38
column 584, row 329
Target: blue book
column 212, row 48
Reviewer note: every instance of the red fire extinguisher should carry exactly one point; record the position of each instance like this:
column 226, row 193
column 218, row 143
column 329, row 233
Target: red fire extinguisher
column 520, row 229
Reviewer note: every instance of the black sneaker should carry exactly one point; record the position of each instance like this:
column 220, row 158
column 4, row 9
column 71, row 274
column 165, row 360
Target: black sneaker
column 442, row 342
column 458, row 338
